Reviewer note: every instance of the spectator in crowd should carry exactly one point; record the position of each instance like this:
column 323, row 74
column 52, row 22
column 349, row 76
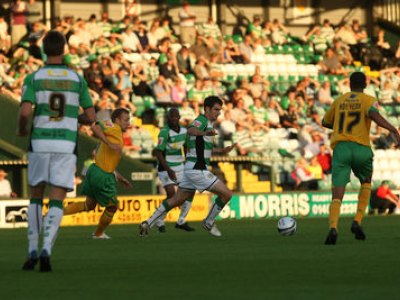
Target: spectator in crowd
column 246, row 49
column 123, row 83
column 317, row 39
column 200, row 48
column 187, row 24
column 105, row 24
column 279, row 33
column 178, row 91
column 94, row 28
column 239, row 112
column 342, row 52
column 383, row 44
column 210, row 29
column 290, row 118
column 169, row 69
column 331, row 64
column 324, row 158
column 327, row 31
column 130, row 41
column 162, row 91
column 274, row 112
column 35, row 9
column 254, row 29
column 315, row 169
column 141, row 33
column 303, row 178
column 325, row 95
column 241, row 137
column 386, row 201
column 94, row 76
column 5, row 39
column 200, row 69
column 187, row 113
column 259, row 112
column 386, row 94
column 18, row 28
column 232, row 53
column 347, row 36
column 312, row 148
column 361, row 37
column 183, row 60
column 5, row 186
column 133, row 8
column 227, row 126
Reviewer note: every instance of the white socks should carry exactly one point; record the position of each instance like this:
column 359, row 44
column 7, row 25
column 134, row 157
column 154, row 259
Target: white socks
column 51, row 224
column 185, row 207
column 35, row 220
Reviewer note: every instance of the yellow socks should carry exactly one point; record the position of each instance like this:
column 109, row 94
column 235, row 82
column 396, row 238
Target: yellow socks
column 105, row 220
column 334, row 212
column 74, row 208
column 363, row 200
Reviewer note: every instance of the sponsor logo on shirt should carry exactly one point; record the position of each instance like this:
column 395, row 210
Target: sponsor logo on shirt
column 197, row 123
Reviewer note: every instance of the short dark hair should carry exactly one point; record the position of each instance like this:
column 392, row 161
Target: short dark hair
column 54, row 43
column 172, row 110
column 210, row 101
column 358, row 80
column 118, row 112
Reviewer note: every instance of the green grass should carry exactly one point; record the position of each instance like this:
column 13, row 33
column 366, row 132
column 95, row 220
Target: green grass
column 250, row 261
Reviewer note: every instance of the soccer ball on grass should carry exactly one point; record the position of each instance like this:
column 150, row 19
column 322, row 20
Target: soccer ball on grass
column 287, row 226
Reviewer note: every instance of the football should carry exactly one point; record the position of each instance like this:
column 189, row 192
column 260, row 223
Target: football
column 287, row 226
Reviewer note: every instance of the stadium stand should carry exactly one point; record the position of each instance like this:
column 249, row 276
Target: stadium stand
column 296, row 77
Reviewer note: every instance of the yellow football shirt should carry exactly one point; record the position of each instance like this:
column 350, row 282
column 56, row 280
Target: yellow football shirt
column 348, row 117
column 106, row 158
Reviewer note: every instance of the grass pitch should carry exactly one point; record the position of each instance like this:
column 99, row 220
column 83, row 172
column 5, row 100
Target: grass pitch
column 250, row 261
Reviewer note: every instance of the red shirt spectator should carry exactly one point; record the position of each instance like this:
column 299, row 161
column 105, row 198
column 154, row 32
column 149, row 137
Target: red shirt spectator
column 325, row 159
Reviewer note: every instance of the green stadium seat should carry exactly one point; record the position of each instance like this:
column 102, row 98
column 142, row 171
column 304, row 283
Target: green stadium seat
column 237, row 38
column 308, row 49
column 277, row 49
column 287, row 49
column 149, row 102
column 269, row 50
column 300, row 58
column 297, row 49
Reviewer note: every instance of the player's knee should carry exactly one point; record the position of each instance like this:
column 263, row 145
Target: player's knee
column 90, row 205
column 111, row 209
column 227, row 196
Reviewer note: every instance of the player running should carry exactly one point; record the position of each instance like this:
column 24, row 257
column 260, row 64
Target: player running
column 100, row 181
column 350, row 118
column 197, row 175
column 170, row 156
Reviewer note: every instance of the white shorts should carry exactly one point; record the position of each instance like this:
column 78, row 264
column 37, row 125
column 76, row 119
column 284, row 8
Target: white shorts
column 57, row 169
column 200, row 180
column 165, row 180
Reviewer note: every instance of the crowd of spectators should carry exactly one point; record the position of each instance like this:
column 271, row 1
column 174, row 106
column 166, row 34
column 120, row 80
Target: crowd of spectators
column 147, row 67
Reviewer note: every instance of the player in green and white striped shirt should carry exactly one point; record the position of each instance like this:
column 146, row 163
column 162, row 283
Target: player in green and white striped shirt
column 170, row 156
column 197, row 175
column 56, row 93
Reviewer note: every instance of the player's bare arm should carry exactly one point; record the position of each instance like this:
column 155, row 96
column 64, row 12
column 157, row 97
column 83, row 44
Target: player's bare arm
column 225, row 150
column 25, row 112
column 123, row 180
column 161, row 159
column 196, row 132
